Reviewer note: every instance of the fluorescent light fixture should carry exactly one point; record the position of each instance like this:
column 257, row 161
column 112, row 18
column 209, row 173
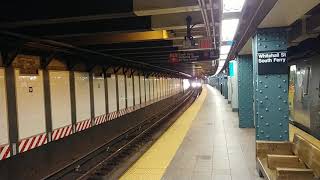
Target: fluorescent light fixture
column 225, row 49
column 229, row 28
column 232, row 5
column 221, row 64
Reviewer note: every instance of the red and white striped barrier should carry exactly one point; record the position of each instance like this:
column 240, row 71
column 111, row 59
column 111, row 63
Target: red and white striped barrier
column 32, row 142
column 83, row 125
column 100, row 119
column 112, row 115
column 61, row 132
column 4, row 152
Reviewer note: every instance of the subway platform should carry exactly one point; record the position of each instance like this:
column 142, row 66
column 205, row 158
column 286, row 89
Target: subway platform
column 204, row 143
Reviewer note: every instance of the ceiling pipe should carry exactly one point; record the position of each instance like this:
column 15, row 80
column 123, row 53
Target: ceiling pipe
column 204, row 7
column 87, row 51
column 213, row 25
column 203, row 16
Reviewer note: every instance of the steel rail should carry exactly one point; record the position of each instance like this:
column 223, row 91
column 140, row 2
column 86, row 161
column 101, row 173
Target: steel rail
column 97, row 151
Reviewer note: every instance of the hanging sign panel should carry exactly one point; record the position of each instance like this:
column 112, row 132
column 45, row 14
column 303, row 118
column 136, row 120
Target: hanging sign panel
column 272, row 63
column 191, row 56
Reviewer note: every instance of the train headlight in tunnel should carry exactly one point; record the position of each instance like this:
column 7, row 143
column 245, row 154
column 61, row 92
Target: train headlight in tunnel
column 196, row 84
column 186, row 84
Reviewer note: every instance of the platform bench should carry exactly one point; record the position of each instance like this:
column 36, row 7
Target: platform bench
column 297, row 160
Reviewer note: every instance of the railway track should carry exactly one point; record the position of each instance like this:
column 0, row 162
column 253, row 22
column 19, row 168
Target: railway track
column 112, row 158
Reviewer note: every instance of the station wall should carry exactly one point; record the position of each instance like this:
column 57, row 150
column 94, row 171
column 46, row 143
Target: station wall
column 99, row 96
column 130, row 91
column 60, row 98
column 147, row 90
column 112, row 93
column 35, row 128
column 122, row 96
column 82, row 92
column 142, row 89
column 30, row 104
column 136, row 90
column 4, row 139
column 151, row 88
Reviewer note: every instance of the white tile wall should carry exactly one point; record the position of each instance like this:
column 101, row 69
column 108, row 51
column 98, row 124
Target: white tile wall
column 99, row 96
column 142, row 89
column 112, row 97
column 82, row 90
column 147, row 90
column 30, row 104
column 122, row 94
column 165, row 86
column 60, row 98
column 159, row 88
column 4, row 139
column 155, row 81
column 136, row 89
column 130, row 91
column 151, row 88
column 170, row 86
column 162, row 86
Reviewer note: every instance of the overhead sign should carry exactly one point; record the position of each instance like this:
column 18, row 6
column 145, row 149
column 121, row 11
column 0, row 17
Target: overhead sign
column 272, row 63
column 191, row 56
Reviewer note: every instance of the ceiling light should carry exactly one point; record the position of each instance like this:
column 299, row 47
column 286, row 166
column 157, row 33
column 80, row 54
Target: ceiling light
column 224, row 49
column 232, row 5
column 229, row 28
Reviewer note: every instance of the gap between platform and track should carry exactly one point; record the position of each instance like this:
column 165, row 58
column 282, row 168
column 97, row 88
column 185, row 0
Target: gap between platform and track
column 152, row 165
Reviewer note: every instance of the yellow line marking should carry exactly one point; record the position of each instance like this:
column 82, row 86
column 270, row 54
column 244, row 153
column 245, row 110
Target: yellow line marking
column 153, row 163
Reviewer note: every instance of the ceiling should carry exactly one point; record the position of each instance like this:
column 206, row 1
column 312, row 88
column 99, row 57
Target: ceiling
column 137, row 30
column 300, row 17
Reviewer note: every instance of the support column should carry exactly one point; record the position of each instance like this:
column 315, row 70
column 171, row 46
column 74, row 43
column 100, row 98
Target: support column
column 245, row 91
column 73, row 101
column 145, row 89
column 47, row 103
column 92, row 109
column 12, row 109
column 270, row 84
column 106, row 91
column 133, row 90
column 117, row 91
column 139, row 89
column 125, row 90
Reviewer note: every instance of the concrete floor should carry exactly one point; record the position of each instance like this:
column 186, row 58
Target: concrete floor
column 215, row 147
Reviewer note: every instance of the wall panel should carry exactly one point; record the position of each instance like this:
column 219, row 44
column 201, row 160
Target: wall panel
column 112, row 93
column 130, row 91
column 82, row 91
column 99, row 96
column 142, row 89
column 151, row 88
column 60, row 98
column 147, row 90
column 30, row 104
column 136, row 89
column 4, row 139
column 122, row 96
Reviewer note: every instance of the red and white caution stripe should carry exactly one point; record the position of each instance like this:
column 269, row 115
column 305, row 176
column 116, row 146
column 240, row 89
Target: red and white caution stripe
column 83, row 125
column 100, row 119
column 112, row 115
column 32, row 142
column 4, row 151
column 61, row 132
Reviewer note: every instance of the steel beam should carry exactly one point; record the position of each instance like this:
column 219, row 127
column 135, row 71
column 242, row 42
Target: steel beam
column 73, row 100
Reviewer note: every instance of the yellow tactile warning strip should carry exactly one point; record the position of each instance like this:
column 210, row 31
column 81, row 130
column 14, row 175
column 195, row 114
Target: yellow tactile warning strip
column 152, row 165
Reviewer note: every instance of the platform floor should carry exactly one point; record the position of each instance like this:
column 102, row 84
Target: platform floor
column 205, row 143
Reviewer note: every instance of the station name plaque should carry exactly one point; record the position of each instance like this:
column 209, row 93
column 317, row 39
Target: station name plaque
column 272, row 63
